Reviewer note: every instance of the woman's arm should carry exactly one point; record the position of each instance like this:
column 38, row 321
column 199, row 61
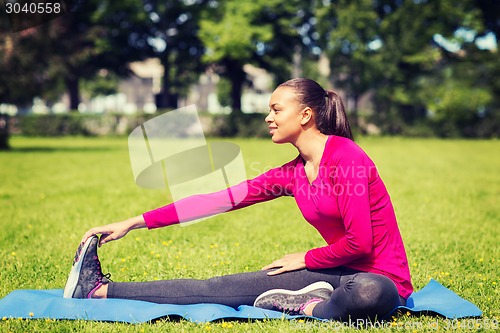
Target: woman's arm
column 269, row 185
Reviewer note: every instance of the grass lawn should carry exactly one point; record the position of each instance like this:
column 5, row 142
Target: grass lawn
column 446, row 196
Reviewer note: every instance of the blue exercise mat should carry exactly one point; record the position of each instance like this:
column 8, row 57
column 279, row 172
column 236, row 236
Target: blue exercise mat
column 38, row 304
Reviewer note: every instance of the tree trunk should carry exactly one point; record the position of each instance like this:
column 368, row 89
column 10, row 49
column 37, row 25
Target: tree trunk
column 165, row 99
column 236, row 92
column 4, row 132
column 355, row 112
column 72, row 85
column 237, row 76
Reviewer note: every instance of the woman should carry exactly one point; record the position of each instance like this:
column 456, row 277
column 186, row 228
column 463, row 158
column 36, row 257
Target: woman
column 362, row 272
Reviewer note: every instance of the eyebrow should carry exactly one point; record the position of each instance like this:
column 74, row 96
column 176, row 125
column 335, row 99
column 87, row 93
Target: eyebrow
column 272, row 105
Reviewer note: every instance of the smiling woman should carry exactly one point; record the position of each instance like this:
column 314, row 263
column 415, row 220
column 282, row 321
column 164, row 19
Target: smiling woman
column 361, row 272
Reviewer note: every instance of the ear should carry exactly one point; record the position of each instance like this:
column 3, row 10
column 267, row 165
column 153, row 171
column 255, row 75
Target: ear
column 307, row 115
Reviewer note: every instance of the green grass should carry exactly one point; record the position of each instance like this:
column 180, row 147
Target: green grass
column 446, row 196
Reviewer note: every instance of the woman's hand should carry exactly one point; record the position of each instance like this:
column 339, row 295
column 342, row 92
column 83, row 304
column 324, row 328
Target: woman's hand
column 116, row 230
column 290, row 262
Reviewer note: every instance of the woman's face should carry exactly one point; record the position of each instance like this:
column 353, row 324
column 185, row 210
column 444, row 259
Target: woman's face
column 284, row 117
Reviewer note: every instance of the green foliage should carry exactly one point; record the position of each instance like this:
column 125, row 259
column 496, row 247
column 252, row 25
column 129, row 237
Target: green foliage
column 52, row 125
column 224, row 92
column 393, row 51
column 232, row 33
column 241, row 125
column 78, row 124
column 445, row 193
column 262, row 33
column 71, row 124
column 103, row 84
column 21, row 54
column 63, row 51
column 411, row 56
column 458, row 102
column 170, row 32
column 348, row 28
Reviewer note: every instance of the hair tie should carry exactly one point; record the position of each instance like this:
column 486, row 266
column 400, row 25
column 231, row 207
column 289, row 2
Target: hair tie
column 326, row 94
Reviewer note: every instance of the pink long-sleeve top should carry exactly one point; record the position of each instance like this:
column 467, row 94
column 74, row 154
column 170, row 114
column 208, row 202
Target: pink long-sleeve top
column 347, row 203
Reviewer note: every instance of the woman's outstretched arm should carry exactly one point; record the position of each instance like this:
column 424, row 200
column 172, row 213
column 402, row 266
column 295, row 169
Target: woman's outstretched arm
column 269, row 185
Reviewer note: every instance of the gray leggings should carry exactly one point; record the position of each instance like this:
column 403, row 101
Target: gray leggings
column 357, row 295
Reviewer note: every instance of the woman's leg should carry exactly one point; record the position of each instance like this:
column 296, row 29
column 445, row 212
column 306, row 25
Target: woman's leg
column 232, row 290
column 356, row 294
column 360, row 296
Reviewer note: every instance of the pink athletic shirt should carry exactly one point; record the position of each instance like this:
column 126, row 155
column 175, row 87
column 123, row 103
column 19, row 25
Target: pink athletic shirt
column 347, row 203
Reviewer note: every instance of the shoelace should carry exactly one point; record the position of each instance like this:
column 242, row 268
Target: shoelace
column 108, row 277
column 100, row 275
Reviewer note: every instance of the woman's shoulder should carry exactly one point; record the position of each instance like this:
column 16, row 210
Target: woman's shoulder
column 347, row 158
column 343, row 152
column 342, row 148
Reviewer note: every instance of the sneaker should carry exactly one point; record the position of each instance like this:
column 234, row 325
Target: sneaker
column 85, row 275
column 294, row 302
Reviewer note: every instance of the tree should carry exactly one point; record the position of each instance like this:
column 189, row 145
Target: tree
column 295, row 41
column 24, row 63
column 410, row 54
column 62, row 52
column 90, row 38
column 349, row 31
column 462, row 94
column 169, row 31
column 262, row 33
column 231, row 39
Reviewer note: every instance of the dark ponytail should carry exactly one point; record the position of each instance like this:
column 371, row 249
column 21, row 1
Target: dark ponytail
column 335, row 116
column 328, row 108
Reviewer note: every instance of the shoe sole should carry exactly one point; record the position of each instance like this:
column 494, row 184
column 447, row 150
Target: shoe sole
column 74, row 274
column 309, row 288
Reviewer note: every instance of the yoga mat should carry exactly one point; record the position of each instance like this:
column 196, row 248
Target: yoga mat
column 38, row 304
column 436, row 298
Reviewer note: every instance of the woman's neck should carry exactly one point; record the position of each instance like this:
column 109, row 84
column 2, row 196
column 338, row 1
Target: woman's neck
column 311, row 147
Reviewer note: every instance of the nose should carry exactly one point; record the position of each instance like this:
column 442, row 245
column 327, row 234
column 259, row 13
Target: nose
column 269, row 119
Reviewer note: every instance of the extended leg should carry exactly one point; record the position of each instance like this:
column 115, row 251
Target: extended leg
column 231, row 290
column 356, row 294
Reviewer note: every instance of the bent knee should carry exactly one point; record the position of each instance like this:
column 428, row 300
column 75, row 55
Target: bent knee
column 374, row 294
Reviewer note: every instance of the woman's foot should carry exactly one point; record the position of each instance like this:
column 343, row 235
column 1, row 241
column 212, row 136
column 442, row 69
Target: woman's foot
column 299, row 302
column 86, row 276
